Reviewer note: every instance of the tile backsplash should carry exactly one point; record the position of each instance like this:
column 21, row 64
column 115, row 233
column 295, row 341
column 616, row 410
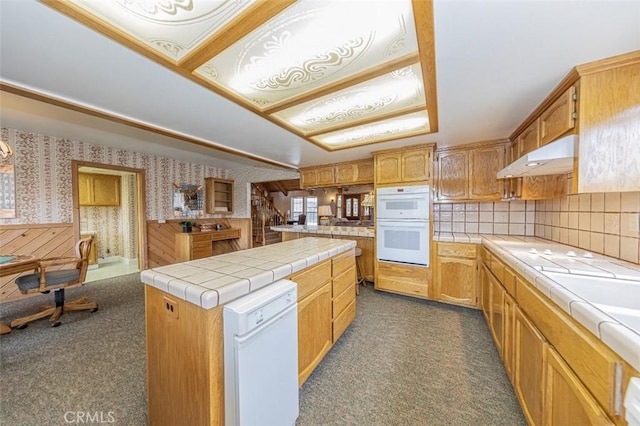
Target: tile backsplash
column 505, row 217
column 606, row 223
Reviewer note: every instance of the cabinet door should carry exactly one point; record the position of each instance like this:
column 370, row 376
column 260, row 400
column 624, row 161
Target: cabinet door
column 308, row 178
column 485, row 294
column 364, row 172
column 106, row 190
column 314, row 330
column 529, row 139
column 456, row 280
column 497, row 313
column 325, row 176
column 507, row 344
column 346, row 173
column 85, row 195
column 388, row 168
column 567, row 401
column 415, row 166
column 452, row 175
column 558, row 119
column 530, row 352
column 484, row 164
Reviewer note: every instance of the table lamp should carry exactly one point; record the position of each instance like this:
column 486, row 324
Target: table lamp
column 324, row 212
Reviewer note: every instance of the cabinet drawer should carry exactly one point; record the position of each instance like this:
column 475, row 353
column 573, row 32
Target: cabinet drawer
column 312, row 278
column 343, row 300
column 201, row 253
column 509, row 282
column 466, row 251
column 343, row 281
column 343, row 320
column 198, row 237
column 201, row 244
column 342, row 262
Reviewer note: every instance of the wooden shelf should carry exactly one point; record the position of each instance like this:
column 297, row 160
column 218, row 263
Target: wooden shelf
column 219, row 196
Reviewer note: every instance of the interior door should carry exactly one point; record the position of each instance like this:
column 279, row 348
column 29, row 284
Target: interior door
column 351, row 207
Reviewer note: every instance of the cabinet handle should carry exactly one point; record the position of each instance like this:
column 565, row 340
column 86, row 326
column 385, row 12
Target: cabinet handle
column 617, row 389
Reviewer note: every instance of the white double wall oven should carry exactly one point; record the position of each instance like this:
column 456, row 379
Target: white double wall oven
column 402, row 224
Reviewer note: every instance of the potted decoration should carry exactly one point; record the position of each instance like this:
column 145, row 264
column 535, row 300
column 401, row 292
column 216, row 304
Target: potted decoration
column 187, row 226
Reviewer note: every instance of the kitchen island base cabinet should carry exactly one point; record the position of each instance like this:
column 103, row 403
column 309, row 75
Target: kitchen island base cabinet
column 184, row 361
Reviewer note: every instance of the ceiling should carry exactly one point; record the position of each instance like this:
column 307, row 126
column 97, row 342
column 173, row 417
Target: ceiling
column 494, row 61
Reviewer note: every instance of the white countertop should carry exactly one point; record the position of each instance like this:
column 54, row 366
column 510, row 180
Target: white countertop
column 220, row 279
column 351, row 231
column 601, row 293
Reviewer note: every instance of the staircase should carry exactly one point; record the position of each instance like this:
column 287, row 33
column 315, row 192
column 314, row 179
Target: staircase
column 264, row 215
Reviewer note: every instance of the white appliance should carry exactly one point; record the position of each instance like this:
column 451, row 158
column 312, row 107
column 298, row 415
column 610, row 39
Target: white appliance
column 553, row 158
column 261, row 357
column 632, row 402
column 403, row 202
column 402, row 224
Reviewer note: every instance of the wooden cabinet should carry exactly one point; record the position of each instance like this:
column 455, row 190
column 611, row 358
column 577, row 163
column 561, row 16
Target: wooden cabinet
column 326, row 307
column 411, row 280
column 567, row 401
column 198, row 245
column 98, row 189
column 348, row 173
column 497, row 313
column 528, row 140
column 405, row 165
column 452, row 175
column 530, row 352
column 470, row 173
column 456, row 274
column 509, row 325
column 219, row 195
column 559, row 118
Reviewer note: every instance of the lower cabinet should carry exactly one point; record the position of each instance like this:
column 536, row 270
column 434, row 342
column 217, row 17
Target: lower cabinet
column 402, row 278
column 529, row 362
column 567, row 400
column 456, row 274
column 314, row 330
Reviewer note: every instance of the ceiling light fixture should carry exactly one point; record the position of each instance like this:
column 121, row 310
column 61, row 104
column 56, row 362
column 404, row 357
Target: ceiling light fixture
column 308, row 66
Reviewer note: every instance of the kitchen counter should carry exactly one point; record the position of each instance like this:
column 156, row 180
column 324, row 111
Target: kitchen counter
column 220, row 279
column 352, row 231
column 599, row 292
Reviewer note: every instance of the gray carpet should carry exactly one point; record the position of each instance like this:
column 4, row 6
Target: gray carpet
column 403, row 362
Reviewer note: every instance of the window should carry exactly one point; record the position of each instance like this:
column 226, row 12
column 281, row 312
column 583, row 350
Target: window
column 307, row 206
column 351, row 209
column 339, row 206
column 297, row 207
column 312, row 210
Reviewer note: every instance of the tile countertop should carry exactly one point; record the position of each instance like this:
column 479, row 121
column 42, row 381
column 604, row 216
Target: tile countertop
column 220, row 279
column 600, row 292
column 351, row 231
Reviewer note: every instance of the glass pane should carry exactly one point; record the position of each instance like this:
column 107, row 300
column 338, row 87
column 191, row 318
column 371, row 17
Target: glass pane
column 355, row 207
column 339, row 207
column 348, row 208
column 312, row 210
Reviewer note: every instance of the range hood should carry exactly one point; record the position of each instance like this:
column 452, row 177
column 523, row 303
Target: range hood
column 554, row 158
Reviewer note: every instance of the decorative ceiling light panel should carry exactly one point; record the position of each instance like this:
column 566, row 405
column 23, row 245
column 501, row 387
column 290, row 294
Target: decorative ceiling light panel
column 380, row 131
column 400, row 90
column 173, row 28
column 339, row 73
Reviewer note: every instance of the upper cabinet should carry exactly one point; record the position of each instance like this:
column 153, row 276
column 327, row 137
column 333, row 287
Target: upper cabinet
column 219, row 195
column 598, row 102
column 404, row 165
column 98, row 189
column 349, row 173
column 469, row 173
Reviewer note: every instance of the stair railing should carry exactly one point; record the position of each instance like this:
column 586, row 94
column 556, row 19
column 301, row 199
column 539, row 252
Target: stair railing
column 263, row 213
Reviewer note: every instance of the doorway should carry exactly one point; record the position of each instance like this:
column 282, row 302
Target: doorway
column 109, row 204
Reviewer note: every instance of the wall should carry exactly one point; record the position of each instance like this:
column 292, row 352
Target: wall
column 243, row 177
column 606, row 223
column 505, row 217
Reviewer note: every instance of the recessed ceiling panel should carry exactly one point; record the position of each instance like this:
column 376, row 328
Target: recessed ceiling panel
column 399, row 127
column 172, row 28
column 395, row 91
column 310, row 45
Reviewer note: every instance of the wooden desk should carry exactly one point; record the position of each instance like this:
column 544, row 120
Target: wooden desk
column 20, row 263
column 198, row 245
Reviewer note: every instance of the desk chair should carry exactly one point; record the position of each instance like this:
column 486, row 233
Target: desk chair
column 302, row 219
column 45, row 280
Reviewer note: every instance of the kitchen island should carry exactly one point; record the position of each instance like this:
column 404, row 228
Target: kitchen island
column 184, row 329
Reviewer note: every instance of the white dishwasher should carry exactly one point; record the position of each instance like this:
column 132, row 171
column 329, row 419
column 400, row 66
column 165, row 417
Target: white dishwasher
column 261, row 357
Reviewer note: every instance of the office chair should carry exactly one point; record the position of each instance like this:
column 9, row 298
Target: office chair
column 302, row 219
column 45, row 280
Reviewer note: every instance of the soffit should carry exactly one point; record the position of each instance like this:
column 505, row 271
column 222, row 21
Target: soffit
column 339, row 74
